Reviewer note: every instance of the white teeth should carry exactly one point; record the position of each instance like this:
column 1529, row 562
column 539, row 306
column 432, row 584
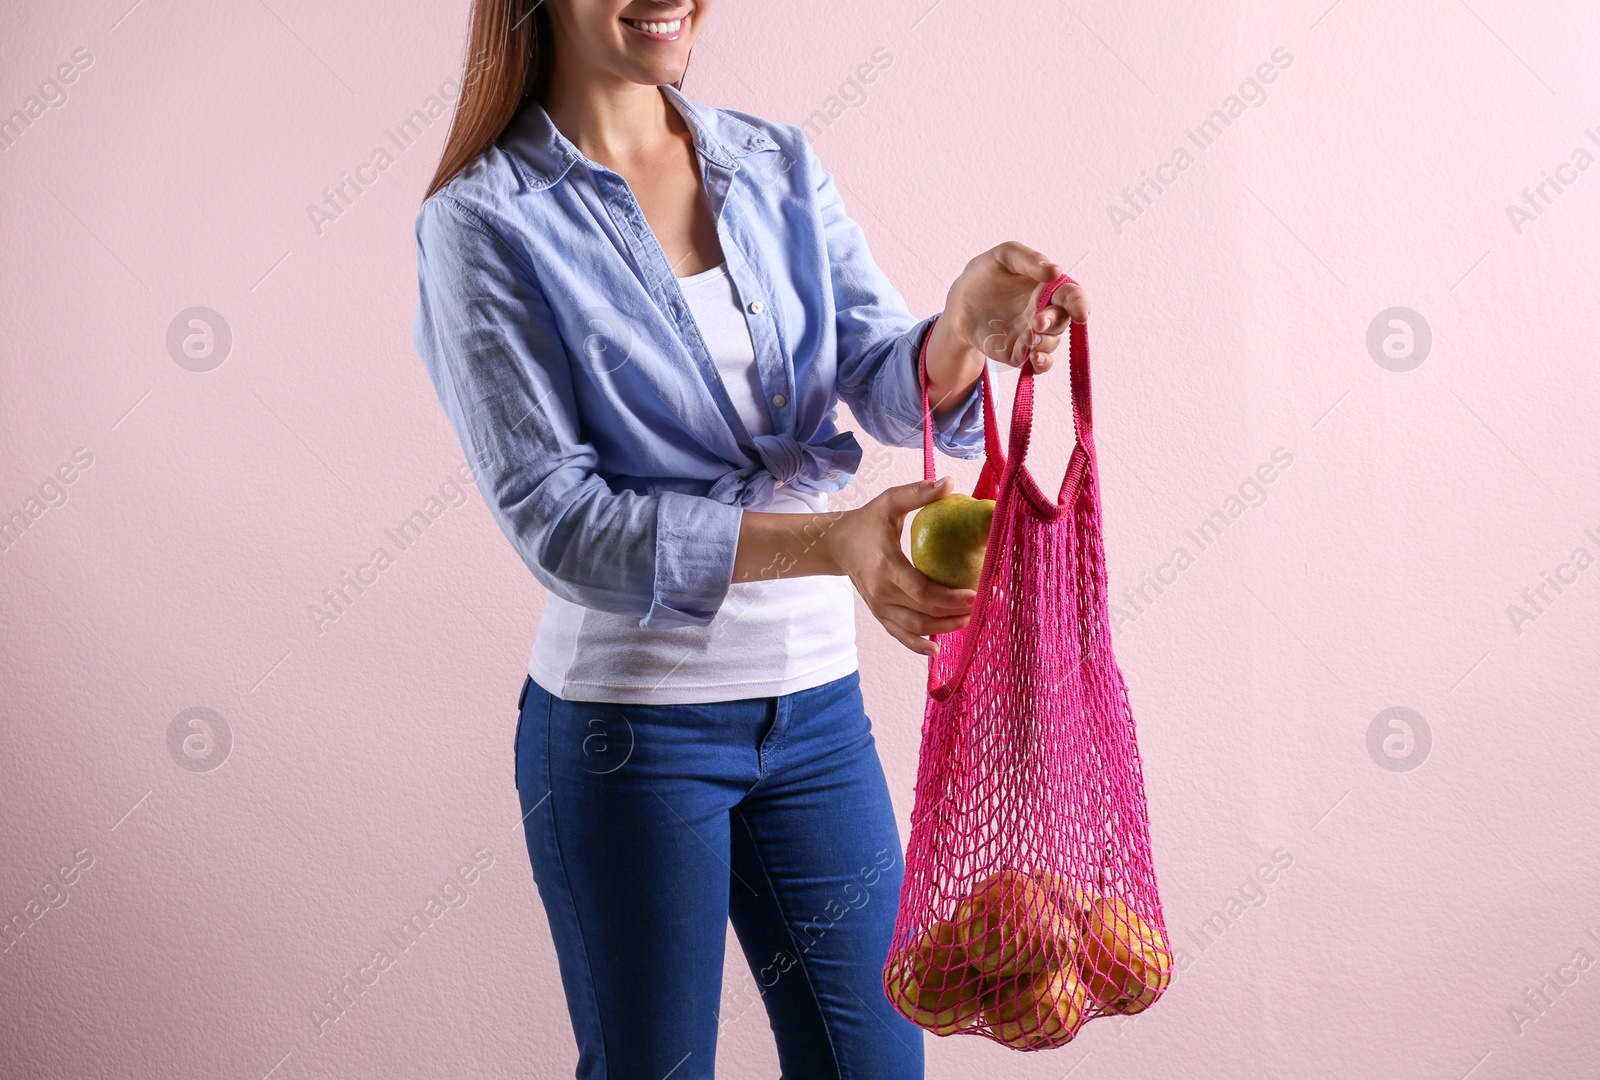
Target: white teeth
column 658, row 27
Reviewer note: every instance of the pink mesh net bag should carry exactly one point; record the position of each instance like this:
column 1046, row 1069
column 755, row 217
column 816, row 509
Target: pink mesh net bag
column 1030, row 903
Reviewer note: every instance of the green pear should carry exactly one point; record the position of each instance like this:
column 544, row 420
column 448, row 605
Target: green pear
column 948, row 539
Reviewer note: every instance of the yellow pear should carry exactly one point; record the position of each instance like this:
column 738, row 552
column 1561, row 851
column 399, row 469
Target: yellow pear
column 1010, row 926
column 1125, row 962
column 933, row 985
column 1037, row 1012
column 948, row 539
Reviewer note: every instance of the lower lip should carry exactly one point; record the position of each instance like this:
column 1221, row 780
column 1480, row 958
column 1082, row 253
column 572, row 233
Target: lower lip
column 676, row 35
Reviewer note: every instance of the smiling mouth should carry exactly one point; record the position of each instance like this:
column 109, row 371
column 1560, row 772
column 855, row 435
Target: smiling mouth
column 662, row 29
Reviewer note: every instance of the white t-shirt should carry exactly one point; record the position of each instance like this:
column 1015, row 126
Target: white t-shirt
column 768, row 638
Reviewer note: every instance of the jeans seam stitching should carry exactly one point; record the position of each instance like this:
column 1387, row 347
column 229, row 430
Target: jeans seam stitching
column 583, row 944
column 786, row 714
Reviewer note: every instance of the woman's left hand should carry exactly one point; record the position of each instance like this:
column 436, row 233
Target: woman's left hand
column 991, row 306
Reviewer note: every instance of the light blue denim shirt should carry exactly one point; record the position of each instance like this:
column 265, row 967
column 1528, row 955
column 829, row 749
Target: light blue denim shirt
column 563, row 352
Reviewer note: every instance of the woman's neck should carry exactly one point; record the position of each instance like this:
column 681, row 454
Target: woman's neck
column 612, row 122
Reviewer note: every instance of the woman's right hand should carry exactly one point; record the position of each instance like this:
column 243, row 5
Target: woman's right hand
column 865, row 544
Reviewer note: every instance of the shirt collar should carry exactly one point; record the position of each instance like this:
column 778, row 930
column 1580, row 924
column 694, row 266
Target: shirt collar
column 543, row 155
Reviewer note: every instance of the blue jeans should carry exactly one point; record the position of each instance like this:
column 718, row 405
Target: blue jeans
column 650, row 826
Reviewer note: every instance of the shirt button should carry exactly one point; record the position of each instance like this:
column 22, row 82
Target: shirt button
column 756, row 308
column 779, row 400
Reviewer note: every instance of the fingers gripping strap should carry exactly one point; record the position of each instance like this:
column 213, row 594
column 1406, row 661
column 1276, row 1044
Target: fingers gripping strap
column 1022, row 407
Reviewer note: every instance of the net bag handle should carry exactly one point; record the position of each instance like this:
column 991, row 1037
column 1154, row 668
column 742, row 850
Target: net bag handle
column 996, row 461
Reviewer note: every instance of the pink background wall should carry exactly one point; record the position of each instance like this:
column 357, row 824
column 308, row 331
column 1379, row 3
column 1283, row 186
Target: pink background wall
column 1433, row 884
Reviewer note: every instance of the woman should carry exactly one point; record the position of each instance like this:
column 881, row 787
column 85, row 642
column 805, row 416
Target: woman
column 640, row 314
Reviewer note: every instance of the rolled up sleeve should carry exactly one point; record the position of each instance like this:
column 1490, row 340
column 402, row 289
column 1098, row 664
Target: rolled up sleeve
column 503, row 374
column 880, row 340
